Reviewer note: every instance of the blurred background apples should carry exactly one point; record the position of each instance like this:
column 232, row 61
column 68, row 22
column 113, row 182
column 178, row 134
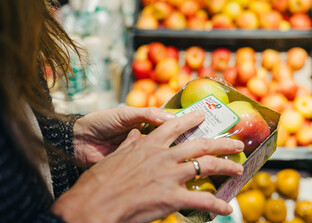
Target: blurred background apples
column 225, row 14
column 269, row 77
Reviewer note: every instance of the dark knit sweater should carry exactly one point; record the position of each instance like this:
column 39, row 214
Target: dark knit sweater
column 23, row 194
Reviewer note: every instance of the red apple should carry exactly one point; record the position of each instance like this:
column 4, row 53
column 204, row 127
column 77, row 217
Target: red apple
column 148, row 10
column 185, row 70
column 215, row 6
column 201, row 14
column 280, row 5
column 142, row 53
column 157, row 52
column 258, row 86
column 153, row 75
column 245, row 54
column 303, row 104
column 166, row 69
column 148, row 2
column 162, row 9
column 284, row 26
column 245, row 91
column 299, row 6
column 163, row 94
column 246, row 70
column 232, row 9
column 220, row 59
column 178, row 81
column 176, row 20
column 230, row 75
column 173, row 52
column 300, row 21
column 142, row 68
column 222, row 21
column 287, row 87
column 302, row 91
column 270, row 20
column 189, row 7
column 147, row 85
column 304, row 136
column 281, row 71
column 147, row 22
column 202, row 3
column 196, row 23
column 296, row 58
column 260, row 7
column 247, row 20
column 137, row 98
column 205, row 71
column 252, row 129
column 194, row 57
column 276, row 102
column 270, row 58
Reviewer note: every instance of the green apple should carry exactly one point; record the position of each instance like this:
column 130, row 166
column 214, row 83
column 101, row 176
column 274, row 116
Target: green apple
column 201, row 184
column 201, row 88
column 173, row 110
column 237, row 158
column 252, row 129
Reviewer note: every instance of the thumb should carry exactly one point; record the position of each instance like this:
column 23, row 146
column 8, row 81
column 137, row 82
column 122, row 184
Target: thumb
column 133, row 135
column 130, row 116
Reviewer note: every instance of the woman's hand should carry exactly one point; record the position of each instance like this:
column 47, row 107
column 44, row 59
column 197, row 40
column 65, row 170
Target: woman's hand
column 144, row 180
column 100, row 133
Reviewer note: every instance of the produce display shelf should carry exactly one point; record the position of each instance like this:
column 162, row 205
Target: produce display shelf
column 227, row 34
column 291, row 37
column 292, row 154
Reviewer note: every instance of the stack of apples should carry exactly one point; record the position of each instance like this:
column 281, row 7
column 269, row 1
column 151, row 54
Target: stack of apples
column 225, row 14
column 264, row 198
column 273, row 85
column 160, row 72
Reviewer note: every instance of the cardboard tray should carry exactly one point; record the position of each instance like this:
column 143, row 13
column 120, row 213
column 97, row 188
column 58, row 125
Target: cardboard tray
column 228, row 190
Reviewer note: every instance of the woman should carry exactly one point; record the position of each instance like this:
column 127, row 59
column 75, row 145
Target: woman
column 95, row 168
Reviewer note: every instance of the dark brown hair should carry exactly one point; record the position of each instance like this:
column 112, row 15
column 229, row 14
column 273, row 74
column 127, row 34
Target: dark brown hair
column 30, row 39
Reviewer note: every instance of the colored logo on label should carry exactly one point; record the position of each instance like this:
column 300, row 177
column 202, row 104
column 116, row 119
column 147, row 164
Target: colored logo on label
column 213, row 106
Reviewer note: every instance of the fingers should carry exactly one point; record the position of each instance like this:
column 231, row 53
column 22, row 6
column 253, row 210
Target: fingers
column 203, row 201
column 130, row 116
column 209, row 165
column 203, row 146
column 133, row 135
column 172, row 129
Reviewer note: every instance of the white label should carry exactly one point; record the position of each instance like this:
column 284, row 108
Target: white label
column 219, row 118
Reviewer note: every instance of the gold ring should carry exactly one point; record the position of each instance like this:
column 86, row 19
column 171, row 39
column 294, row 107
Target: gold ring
column 197, row 167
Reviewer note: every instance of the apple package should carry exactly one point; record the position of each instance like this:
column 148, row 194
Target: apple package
column 229, row 114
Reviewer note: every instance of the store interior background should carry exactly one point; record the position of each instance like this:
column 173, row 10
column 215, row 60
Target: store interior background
column 107, row 30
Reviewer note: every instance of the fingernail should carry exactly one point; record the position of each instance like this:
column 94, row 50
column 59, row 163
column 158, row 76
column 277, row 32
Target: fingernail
column 229, row 209
column 132, row 132
column 166, row 116
column 240, row 169
column 239, row 145
column 200, row 113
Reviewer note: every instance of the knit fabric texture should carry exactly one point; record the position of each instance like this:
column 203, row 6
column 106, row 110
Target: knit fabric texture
column 23, row 194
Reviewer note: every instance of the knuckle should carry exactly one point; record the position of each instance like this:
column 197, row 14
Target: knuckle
column 175, row 127
column 201, row 144
column 209, row 164
column 152, row 112
column 207, row 203
column 168, row 193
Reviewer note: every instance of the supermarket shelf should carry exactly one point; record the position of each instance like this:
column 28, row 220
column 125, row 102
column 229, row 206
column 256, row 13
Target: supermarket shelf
column 232, row 39
column 286, row 154
column 227, row 34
